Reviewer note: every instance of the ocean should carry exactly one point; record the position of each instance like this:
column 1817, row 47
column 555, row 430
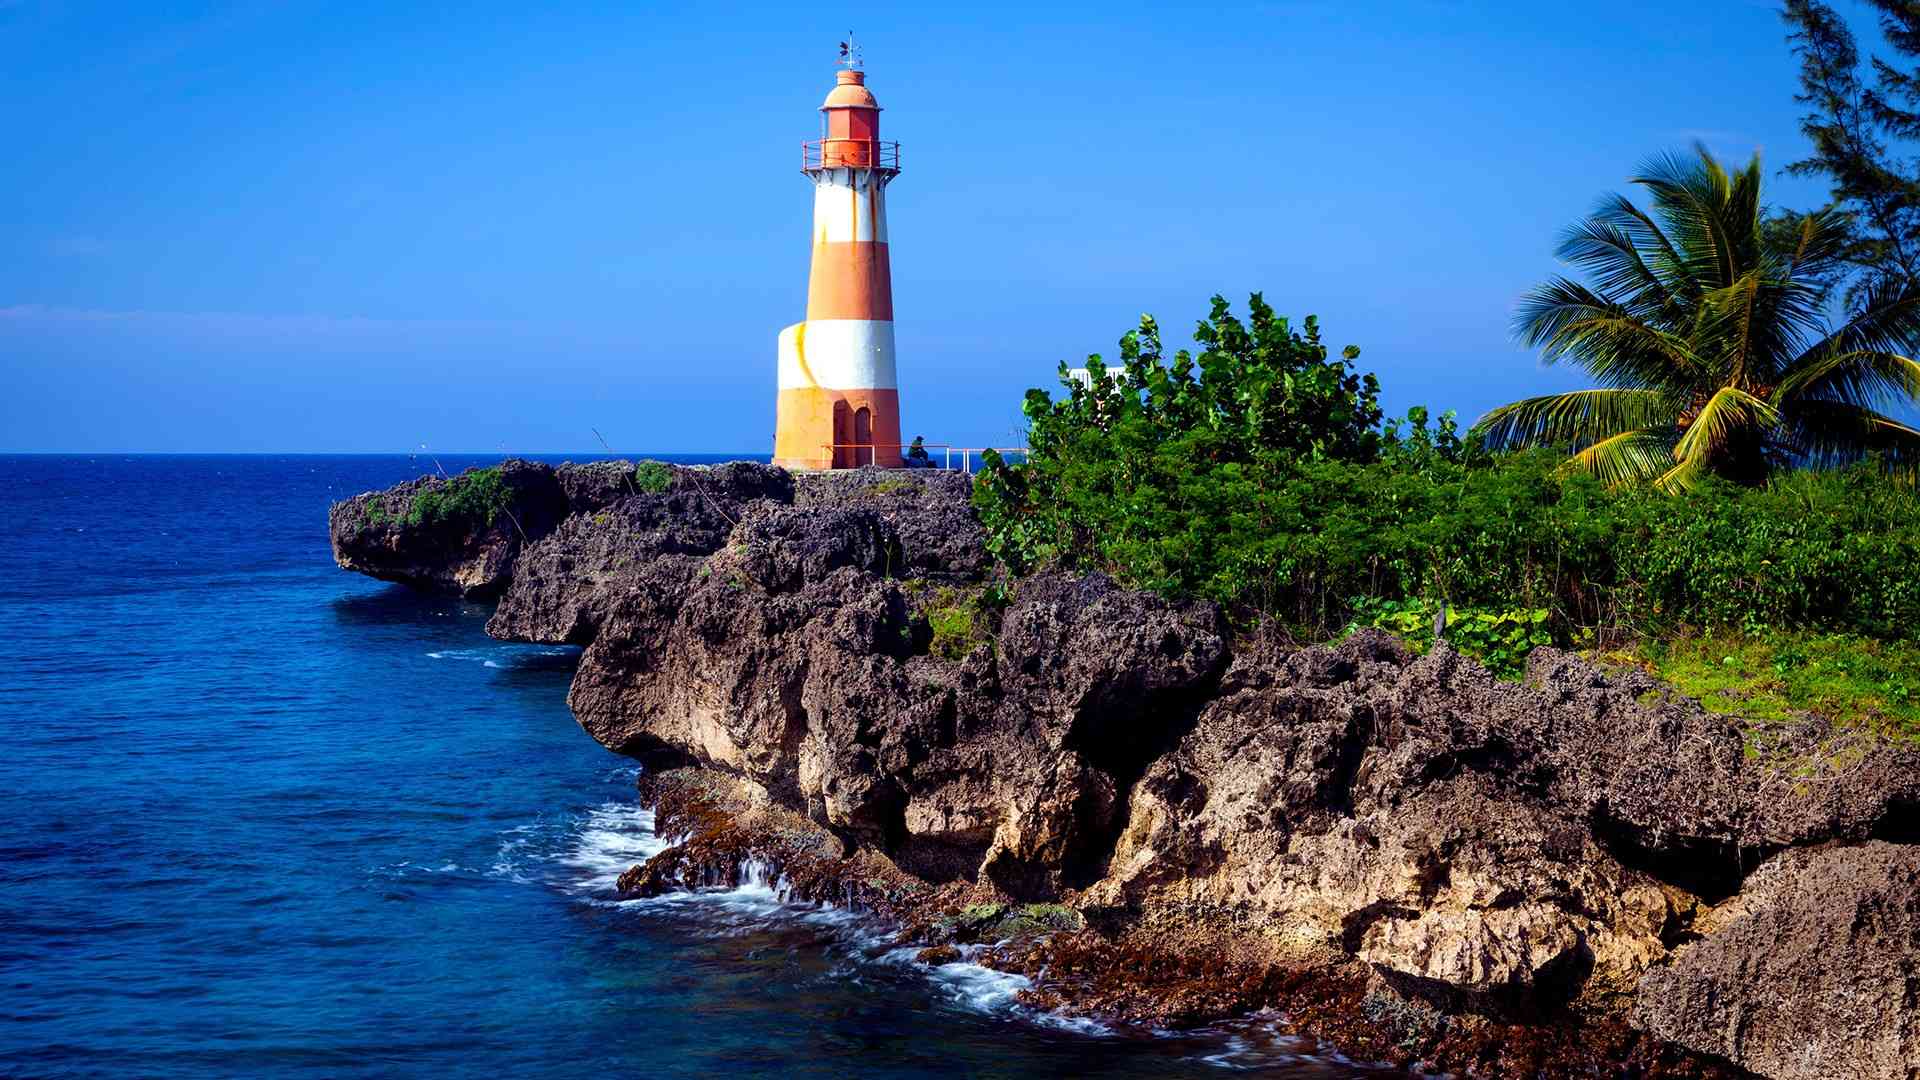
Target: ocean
column 263, row 817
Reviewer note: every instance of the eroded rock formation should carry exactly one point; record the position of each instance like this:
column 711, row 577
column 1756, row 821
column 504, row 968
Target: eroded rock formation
column 1401, row 850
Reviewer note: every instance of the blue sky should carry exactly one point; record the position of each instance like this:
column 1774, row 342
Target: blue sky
column 328, row 226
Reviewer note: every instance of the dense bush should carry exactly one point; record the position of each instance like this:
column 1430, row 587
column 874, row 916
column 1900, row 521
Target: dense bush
column 1173, row 485
column 1139, row 466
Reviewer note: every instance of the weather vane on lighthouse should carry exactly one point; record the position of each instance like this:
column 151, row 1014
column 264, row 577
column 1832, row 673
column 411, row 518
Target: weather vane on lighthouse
column 850, row 53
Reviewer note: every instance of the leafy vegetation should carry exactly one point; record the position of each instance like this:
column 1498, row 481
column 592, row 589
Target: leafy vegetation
column 1148, row 468
column 1726, row 518
column 653, row 477
column 1501, row 640
column 1708, row 334
column 1310, row 539
column 475, row 498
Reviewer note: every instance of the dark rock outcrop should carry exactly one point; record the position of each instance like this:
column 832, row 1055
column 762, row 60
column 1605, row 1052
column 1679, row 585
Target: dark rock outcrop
column 383, row 534
column 930, row 511
column 1503, row 859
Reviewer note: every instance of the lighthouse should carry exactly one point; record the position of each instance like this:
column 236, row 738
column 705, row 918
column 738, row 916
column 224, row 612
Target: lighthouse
column 839, row 406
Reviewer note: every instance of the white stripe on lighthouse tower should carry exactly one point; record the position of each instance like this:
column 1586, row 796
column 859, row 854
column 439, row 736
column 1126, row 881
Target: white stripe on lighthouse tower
column 834, row 353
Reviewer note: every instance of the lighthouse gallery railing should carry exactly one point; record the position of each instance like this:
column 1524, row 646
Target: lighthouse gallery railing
column 849, row 154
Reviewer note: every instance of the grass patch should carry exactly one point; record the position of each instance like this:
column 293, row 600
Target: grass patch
column 476, row 498
column 1852, row 681
column 892, row 486
column 961, row 620
column 653, row 477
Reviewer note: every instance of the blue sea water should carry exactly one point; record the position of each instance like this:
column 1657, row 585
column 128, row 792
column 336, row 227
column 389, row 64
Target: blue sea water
column 261, row 817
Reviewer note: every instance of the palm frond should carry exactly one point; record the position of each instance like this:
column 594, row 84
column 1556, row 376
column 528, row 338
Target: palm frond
column 1727, row 415
column 1863, row 378
column 1819, row 240
column 1608, row 252
column 1664, row 260
column 1579, row 419
column 1565, row 319
column 1864, row 362
column 1712, row 214
column 1627, row 458
column 1727, row 321
column 1833, row 433
column 1683, row 476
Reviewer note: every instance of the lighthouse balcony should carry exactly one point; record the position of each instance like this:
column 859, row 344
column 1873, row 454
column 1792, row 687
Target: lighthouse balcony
column 876, row 154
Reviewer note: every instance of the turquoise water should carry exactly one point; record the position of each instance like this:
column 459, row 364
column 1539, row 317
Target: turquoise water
column 262, row 817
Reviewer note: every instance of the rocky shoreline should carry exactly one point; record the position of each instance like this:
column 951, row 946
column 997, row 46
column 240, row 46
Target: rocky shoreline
column 1582, row 873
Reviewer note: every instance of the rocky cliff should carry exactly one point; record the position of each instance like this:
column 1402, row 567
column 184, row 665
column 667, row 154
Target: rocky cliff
column 1165, row 823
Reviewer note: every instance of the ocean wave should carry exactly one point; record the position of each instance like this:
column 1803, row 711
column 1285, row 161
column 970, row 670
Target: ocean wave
column 611, row 838
column 973, row 985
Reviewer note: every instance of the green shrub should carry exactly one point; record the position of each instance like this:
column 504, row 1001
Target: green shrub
column 475, row 498
column 653, row 477
column 1146, row 467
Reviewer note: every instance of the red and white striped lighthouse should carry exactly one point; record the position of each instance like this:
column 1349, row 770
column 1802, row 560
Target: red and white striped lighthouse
column 839, row 406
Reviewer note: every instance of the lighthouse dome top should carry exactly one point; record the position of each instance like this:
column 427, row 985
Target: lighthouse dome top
column 851, row 92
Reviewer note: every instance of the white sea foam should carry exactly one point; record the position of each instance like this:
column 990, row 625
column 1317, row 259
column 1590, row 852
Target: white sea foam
column 611, row 838
column 1261, row 1041
column 505, row 656
column 408, row 868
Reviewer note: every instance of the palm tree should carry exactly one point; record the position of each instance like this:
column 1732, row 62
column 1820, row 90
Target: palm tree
column 1709, row 334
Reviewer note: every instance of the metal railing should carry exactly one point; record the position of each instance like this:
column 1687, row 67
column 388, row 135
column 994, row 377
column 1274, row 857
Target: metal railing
column 965, row 453
column 877, row 154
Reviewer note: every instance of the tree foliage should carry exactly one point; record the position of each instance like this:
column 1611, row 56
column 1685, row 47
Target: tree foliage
column 1857, row 122
column 1149, row 467
column 1709, row 335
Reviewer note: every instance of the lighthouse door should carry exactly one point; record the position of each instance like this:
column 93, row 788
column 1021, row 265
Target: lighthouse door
column 841, row 453
column 863, row 437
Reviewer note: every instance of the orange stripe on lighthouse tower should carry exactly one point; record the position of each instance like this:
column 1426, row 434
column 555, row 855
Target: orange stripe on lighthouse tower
column 839, row 406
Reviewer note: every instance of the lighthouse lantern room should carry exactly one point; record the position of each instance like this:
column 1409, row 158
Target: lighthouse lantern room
column 839, row 406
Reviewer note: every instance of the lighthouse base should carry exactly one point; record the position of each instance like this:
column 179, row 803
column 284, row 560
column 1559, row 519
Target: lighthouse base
column 853, row 420
column 838, row 429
